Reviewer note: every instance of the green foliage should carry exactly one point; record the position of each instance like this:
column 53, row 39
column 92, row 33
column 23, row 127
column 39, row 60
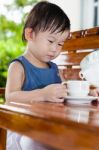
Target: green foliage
column 1, row 100
column 21, row 3
column 9, row 49
column 9, row 29
column 11, row 44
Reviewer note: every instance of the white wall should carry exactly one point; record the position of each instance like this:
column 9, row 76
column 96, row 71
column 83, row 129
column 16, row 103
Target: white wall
column 73, row 9
column 88, row 13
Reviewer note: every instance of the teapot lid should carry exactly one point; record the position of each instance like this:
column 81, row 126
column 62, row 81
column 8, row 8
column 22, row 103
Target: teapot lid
column 90, row 59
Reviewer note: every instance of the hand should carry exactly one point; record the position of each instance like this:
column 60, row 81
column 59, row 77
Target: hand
column 55, row 92
column 94, row 92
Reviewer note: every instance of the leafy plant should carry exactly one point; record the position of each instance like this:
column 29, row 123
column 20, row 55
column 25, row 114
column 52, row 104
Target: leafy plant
column 11, row 44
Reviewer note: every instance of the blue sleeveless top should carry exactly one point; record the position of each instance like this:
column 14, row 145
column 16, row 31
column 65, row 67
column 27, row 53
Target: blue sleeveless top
column 36, row 78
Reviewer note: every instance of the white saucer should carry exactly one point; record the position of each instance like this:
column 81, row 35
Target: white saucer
column 80, row 100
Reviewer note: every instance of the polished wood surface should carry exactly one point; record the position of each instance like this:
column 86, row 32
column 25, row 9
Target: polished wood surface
column 83, row 39
column 67, row 126
column 2, row 131
column 2, row 139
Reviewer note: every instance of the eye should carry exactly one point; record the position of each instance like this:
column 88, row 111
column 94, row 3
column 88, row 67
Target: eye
column 50, row 41
column 60, row 44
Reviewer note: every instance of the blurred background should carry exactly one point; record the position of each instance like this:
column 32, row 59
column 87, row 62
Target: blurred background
column 82, row 13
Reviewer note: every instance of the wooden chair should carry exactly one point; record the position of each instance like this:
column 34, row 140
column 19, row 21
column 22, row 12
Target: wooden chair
column 73, row 52
column 79, row 44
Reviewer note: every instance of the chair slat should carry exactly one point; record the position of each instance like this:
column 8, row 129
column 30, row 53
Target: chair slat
column 71, row 73
column 71, row 59
column 91, row 42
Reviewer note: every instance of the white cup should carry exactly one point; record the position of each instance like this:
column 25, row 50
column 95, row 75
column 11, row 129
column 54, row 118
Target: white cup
column 77, row 88
column 91, row 74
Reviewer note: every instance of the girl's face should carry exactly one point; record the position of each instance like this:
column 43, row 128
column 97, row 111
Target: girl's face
column 46, row 46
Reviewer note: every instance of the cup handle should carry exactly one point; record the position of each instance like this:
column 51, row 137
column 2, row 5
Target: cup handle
column 64, row 83
column 81, row 75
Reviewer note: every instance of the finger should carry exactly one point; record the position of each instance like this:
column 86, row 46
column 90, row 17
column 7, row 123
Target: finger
column 58, row 100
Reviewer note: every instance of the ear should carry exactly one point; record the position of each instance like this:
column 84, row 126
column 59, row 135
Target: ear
column 28, row 34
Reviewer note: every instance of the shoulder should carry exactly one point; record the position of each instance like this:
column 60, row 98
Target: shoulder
column 15, row 67
column 16, row 64
column 16, row 72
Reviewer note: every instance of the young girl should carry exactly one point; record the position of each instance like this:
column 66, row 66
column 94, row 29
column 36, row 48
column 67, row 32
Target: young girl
column 32, row 76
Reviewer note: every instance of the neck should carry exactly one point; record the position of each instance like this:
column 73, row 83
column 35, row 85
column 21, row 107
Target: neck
column 33, row 60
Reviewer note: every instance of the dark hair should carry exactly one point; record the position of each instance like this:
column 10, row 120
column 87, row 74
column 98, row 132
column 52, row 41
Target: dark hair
column 46, row 16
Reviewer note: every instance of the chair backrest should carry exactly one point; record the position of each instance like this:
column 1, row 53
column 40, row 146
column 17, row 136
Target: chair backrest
column 79, row 44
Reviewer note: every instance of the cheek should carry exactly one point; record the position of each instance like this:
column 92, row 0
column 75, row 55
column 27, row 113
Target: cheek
column 43, row 46
column 40, row 47
column 57, row 53
column 59, row 49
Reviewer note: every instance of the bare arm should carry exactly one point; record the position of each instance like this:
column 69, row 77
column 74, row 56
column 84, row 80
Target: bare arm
column 54, row 92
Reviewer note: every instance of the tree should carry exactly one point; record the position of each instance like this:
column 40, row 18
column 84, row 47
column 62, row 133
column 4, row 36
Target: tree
column 11, row 44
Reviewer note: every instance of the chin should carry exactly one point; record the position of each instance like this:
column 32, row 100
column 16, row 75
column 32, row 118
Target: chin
column 47, row 60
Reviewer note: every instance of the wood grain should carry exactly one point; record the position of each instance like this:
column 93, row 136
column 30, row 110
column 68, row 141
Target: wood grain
column 44, row 121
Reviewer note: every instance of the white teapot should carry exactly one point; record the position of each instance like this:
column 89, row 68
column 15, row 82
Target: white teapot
column 90, row 68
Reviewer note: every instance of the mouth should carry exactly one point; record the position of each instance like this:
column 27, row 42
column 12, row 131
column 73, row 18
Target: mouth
column 50, row 56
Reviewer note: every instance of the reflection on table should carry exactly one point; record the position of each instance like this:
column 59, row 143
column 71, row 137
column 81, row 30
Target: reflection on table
column 58, row 125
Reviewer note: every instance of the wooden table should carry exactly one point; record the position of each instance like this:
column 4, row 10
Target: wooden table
column 59, row 125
